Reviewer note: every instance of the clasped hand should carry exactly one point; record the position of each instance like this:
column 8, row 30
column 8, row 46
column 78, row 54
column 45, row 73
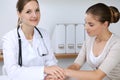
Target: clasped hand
column 54, row 73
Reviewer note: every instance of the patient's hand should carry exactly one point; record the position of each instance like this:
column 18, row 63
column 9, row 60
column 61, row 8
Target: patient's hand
column 54, row 72
column 52, row 77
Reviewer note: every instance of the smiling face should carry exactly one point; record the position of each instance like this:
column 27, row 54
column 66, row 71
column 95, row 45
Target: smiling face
column 30, row 15
column 93, row 26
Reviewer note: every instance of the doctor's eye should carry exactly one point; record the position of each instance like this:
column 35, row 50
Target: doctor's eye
column 28, row 11
column 37, row 10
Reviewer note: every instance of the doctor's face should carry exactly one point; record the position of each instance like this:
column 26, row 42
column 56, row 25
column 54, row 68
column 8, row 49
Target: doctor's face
column 30, row 14
column 93, row 26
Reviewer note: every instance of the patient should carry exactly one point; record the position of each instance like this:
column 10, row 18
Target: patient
column 102, row 50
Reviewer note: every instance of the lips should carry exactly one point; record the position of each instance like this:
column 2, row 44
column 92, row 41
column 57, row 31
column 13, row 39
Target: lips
column 33, row 20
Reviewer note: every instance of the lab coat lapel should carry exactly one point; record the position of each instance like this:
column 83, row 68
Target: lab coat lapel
column 36, row 38
column 26, row 47
column 23, row 38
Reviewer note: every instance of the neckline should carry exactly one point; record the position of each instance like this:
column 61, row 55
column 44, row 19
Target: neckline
column 103, row 48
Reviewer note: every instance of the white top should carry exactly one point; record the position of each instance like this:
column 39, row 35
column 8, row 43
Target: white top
column 110, row 63
column 33, row 63
column 96, row 61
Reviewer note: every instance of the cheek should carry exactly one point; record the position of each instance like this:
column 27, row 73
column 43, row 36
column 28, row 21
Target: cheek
column 94, row 30
column 39, row 16
column 25, row 21
column 98, row 30
column 24, row 18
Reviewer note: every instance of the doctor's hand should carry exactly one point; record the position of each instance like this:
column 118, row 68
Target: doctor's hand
column 55, row 72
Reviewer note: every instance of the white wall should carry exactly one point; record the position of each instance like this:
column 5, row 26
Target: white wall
column 70, row 11
column 8, row 16
column 52, row 11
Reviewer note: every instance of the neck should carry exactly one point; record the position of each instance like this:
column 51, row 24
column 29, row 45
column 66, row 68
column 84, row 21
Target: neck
column 104, row 36
column 28, row 31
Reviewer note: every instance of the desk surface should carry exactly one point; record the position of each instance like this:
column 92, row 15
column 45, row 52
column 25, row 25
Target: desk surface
column 58, row 56
column 66, row 55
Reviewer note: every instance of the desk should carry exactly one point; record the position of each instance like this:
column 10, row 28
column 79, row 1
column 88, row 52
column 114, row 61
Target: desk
column 58, row 56
column 66, row 55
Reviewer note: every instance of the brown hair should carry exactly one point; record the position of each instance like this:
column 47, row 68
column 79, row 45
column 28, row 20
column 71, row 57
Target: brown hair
column 21, row 3
column 115, row 15
column 104, row 13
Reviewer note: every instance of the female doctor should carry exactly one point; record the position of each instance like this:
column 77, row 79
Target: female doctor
column 26, row 49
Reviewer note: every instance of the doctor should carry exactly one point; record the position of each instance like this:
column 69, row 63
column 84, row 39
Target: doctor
column 26, row 49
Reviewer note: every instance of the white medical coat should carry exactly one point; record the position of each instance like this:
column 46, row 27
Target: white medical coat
column 33, row 63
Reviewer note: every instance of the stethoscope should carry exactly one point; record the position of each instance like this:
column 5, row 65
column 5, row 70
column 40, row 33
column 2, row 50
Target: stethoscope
column 20, row 45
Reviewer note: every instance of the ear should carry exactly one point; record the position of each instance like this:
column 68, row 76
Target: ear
column 106, row 23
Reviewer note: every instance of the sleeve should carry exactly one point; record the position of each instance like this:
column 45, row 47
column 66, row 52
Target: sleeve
column 13, row 70
column 112, row 59
column 81, row 56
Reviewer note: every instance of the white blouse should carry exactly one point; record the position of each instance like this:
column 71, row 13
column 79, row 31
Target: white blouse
column 96, row 61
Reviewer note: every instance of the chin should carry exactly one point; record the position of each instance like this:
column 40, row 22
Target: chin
column 90, row 35
column 34, row 24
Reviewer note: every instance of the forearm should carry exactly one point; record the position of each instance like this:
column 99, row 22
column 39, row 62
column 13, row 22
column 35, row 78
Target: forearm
column 74, row 66
column 84, row 75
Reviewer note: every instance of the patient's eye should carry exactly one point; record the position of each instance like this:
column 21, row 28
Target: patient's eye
column 91, row 24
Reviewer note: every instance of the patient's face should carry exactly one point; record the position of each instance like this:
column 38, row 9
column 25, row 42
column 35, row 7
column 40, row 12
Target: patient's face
column 93, row 26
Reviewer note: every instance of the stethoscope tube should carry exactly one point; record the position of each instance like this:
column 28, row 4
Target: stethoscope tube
column 20, row 48
column 20, row 45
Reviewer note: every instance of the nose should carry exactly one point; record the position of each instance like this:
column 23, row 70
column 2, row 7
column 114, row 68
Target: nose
column 34, row 14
